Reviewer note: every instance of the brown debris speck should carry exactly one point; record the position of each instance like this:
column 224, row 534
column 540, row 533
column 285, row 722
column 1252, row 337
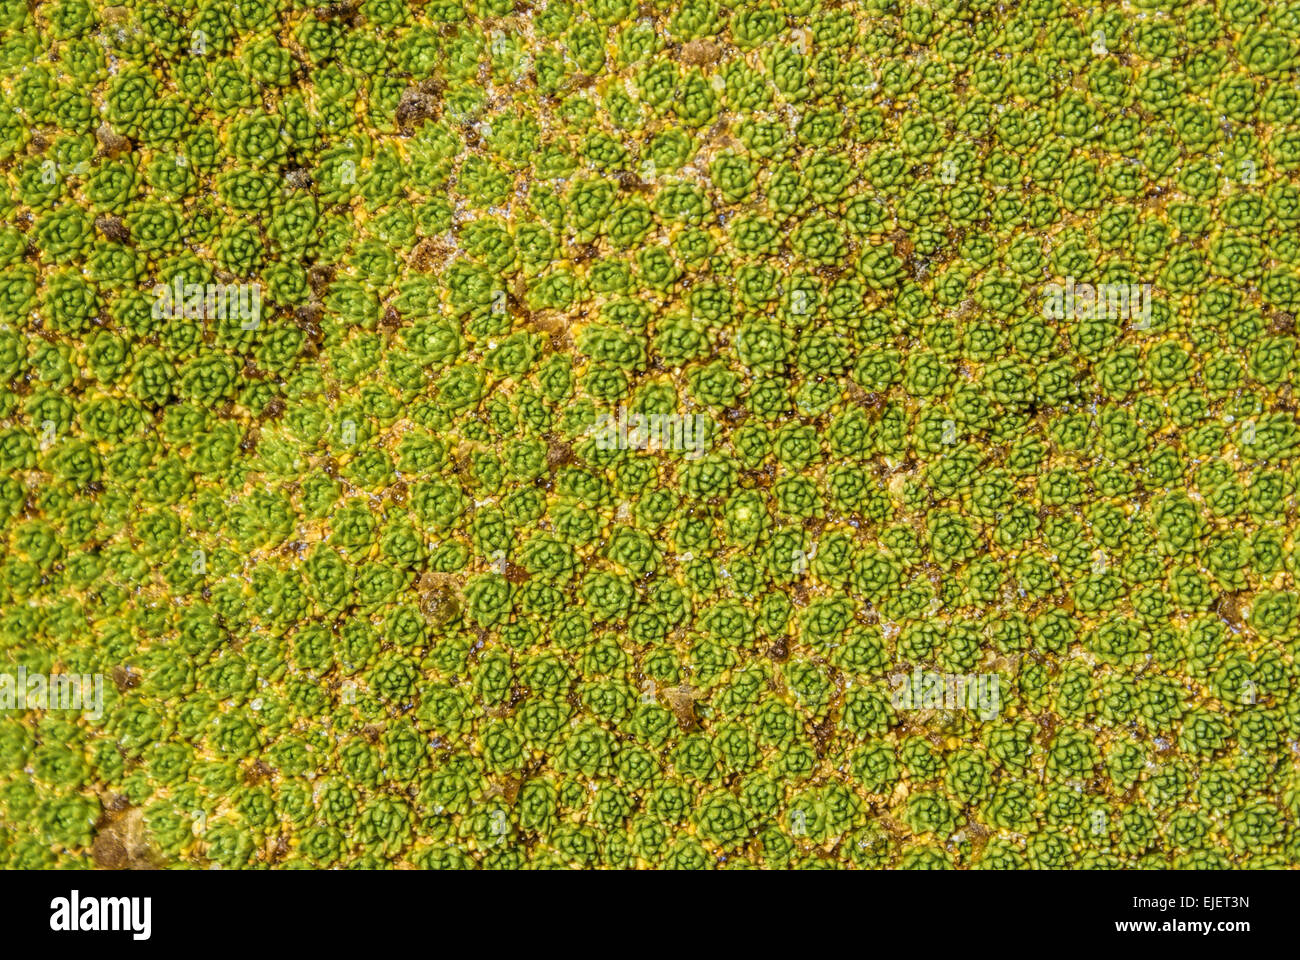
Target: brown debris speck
column 260, row 771
column 319, row 276
column 298, row 178
column 557, row 455
column 113, row 228
column 1227, row 609
column 700, row 52
column 348, row 11
column 822, row 734
column 418, row 102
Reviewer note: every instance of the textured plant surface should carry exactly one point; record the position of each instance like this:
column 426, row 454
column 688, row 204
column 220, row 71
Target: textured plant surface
column 368, row 592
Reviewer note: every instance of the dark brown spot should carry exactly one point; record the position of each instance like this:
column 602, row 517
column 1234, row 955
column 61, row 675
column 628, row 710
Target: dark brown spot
column 319, row 276
column 418, row 102
column 822, row 734
column 113, row 228
column 347, row 11
column 259, row 772
column 558, row 454
column 1227, row 608
column 124, row 679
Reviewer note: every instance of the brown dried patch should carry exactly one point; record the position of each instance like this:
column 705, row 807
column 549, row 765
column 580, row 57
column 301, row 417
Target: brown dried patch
column 700, row 52
column 113, row 228
column 507, row 788
column 718, row 138
column 120, row 841
column 1227, row 608
column 419, row 102
column 822, row 734
column 347, row 11
column 431, row 255
column 308, row 317
column 903, row 245
column 558, row 454
column 259, row 772
column 111, row 142
column 681, row 701
column 1048, row 722
column 779, row 650
column 630, row 182
column 319, row 276
column 979, row 837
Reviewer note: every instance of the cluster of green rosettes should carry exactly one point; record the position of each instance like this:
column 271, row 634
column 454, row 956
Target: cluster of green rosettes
column 369, row 593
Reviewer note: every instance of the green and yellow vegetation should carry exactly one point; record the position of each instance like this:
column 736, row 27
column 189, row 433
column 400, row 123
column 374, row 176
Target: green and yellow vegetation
column 368, row 593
